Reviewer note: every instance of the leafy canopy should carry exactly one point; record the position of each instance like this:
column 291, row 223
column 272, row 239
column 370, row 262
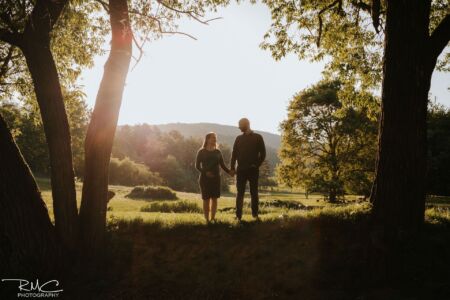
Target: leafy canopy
column 327, row 146
column 342, row 33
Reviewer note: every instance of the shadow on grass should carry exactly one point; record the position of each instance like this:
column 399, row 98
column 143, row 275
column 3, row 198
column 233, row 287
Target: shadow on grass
column 319, row 256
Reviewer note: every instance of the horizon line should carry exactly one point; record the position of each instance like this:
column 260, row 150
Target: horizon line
column 193, row 123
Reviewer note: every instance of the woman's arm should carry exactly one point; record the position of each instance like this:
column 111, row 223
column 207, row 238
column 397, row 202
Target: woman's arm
column 222, row 163
column 198, row 161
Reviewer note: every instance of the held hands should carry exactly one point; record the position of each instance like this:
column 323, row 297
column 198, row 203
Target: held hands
column 209, row 174
column 232, row 173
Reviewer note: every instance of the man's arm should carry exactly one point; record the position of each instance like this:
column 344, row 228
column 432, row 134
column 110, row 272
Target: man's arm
column 233, row 156
column 262, row 150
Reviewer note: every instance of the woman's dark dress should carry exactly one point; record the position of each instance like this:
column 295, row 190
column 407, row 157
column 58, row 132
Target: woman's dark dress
column 209, row 161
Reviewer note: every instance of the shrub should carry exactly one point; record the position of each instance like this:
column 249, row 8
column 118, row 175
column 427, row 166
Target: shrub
column 172, row 207
column 153, row 193
column 438, row 133
column 284, row 204
column 129, row 173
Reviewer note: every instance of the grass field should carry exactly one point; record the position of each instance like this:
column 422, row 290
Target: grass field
column 313, row 253
column 121, row 207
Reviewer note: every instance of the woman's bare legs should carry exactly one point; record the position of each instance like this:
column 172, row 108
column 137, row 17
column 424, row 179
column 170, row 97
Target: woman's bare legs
column 213, row 208
column 206, row 209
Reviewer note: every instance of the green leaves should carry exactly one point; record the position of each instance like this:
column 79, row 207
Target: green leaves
column 76, row 39
column 341, row 33
column 24, row 120
column 438, row 141
column 327, row 146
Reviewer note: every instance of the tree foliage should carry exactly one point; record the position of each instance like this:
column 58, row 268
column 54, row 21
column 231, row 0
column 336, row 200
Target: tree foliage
column 341, row 32
column 265, row 175
column 25, row 122
column 75, row 40
column 438, row 177
column 129, row 173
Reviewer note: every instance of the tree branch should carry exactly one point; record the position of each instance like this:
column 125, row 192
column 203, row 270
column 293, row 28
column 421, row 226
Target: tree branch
column 9, row 37
column 44, row 16
column 157, row 20
column 440, row 37
column 319, row 36
column 4, row 67
column 361, row 4
column 190, row 13
column 104, row 4
column 375, row 13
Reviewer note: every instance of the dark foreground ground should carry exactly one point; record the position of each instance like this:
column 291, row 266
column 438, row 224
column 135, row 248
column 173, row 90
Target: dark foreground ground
column 302, row 258
column 316, row 256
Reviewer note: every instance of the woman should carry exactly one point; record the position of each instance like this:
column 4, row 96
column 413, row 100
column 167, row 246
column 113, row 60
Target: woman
column 208, row 160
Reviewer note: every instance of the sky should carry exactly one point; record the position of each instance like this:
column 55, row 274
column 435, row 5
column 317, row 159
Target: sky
column 221, row 77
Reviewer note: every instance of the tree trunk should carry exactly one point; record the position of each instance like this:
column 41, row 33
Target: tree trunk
column 101, row 131
column 27, row 236
column 332, row 196
column 398, row 193
column 34, row 42
column 56, row 126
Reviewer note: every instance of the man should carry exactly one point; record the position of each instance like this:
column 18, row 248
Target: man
column 250, row 152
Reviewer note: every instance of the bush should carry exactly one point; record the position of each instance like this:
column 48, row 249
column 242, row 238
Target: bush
column 438, row 139
column 172, row 207
column 129, row 173
column 284, row 204
column 153, row 193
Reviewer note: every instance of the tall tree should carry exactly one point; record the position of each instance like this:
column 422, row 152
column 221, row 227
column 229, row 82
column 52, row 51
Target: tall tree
column 413, row 34
column 150, row 17
column 101, row 130
column 34, row 42
column 410, row 56
column 327, row 146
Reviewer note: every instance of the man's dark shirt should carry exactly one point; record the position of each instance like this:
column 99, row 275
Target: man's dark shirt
column 249, row 151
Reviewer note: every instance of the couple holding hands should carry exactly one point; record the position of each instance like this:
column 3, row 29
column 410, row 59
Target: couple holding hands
column 249, row 152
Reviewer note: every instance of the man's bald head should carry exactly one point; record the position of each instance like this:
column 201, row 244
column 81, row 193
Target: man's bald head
column 244, row 125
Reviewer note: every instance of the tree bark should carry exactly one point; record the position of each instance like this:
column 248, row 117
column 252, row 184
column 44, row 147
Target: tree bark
column 56, row 126
column 332, row 196
column 101, row 130
column 398, row 193
column 34, row 43
column 27, row 237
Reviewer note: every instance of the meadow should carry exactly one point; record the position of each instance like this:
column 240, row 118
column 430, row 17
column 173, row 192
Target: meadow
column 316, row 252
column 124, row 208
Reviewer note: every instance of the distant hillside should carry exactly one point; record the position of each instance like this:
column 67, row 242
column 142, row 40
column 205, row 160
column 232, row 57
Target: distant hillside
column 131, row 140
column 226, row 134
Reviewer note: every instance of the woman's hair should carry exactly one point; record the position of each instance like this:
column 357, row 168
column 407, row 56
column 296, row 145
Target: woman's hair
column 207, row 137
